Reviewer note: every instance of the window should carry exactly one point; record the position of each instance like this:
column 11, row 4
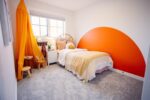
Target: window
column 55, row 27
column 43, row 27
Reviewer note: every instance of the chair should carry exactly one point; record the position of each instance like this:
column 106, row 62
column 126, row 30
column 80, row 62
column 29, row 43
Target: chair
column 27, row 69
column 40, row 62
column 28, row 61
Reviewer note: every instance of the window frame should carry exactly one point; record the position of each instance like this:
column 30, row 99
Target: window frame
column 48, row 26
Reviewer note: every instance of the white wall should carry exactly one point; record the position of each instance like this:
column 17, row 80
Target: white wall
column 8, row 83
column 146, row 85
column 130, row 16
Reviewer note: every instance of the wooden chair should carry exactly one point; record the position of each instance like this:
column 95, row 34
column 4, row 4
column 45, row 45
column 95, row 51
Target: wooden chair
column 26, row 69
column 40, row 62
column 28, row 61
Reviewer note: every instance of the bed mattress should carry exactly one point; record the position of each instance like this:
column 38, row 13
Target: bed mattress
column 97, row 65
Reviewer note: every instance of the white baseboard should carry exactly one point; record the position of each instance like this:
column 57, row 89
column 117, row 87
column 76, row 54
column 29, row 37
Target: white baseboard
column 127, row 74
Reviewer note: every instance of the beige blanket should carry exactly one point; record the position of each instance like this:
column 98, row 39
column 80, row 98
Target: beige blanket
column 79, row 61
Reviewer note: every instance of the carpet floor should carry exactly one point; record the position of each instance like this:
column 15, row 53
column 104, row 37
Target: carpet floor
column 56, row 83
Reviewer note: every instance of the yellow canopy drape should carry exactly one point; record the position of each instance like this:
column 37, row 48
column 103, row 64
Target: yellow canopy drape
column 25, row 41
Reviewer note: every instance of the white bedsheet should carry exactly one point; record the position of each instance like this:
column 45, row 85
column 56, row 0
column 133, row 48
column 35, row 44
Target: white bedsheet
column 62, row 54
column 100, row 64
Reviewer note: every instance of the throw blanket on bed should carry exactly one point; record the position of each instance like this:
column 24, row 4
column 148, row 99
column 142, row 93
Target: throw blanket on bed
column 64, row 52
column 79, row 61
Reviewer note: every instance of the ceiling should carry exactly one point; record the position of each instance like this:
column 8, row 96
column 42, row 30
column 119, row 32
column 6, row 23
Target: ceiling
column 72, row 5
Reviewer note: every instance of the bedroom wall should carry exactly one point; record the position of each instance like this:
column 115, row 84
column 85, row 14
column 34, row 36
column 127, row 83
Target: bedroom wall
column 146, row 84
column 129, row 16
column 8, row 83
column 124, row 52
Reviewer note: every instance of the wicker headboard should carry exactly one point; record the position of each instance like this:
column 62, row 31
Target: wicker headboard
column 62, row 40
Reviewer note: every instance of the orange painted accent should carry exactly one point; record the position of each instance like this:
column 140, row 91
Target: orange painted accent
column 124, row 52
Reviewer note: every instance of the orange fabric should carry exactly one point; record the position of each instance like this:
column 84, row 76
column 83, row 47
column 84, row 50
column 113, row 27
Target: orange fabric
column 25, row 41
column 125, row 53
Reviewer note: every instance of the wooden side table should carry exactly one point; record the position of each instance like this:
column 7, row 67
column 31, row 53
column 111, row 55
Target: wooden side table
column 43, row 50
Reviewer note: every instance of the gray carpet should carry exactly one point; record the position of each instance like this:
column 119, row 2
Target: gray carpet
column 55, row 83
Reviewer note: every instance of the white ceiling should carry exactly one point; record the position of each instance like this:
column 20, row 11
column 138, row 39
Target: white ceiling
column 72, row 5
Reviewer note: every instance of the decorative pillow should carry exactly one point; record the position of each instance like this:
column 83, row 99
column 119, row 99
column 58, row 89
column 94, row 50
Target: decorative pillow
column 70, row 45
column 61, row 44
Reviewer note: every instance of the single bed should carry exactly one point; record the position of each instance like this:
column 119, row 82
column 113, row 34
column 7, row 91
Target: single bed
column 83, row 63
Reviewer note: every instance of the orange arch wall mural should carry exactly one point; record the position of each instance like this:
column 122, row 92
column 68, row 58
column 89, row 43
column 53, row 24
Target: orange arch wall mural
column 124, row 52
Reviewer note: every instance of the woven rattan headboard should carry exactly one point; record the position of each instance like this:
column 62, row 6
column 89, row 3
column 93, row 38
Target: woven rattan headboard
column 62, row 40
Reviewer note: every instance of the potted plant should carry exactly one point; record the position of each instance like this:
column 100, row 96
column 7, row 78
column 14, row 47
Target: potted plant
column 49, row 46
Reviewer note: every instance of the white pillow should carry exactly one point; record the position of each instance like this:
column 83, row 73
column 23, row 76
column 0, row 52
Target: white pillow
column 70, row 45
